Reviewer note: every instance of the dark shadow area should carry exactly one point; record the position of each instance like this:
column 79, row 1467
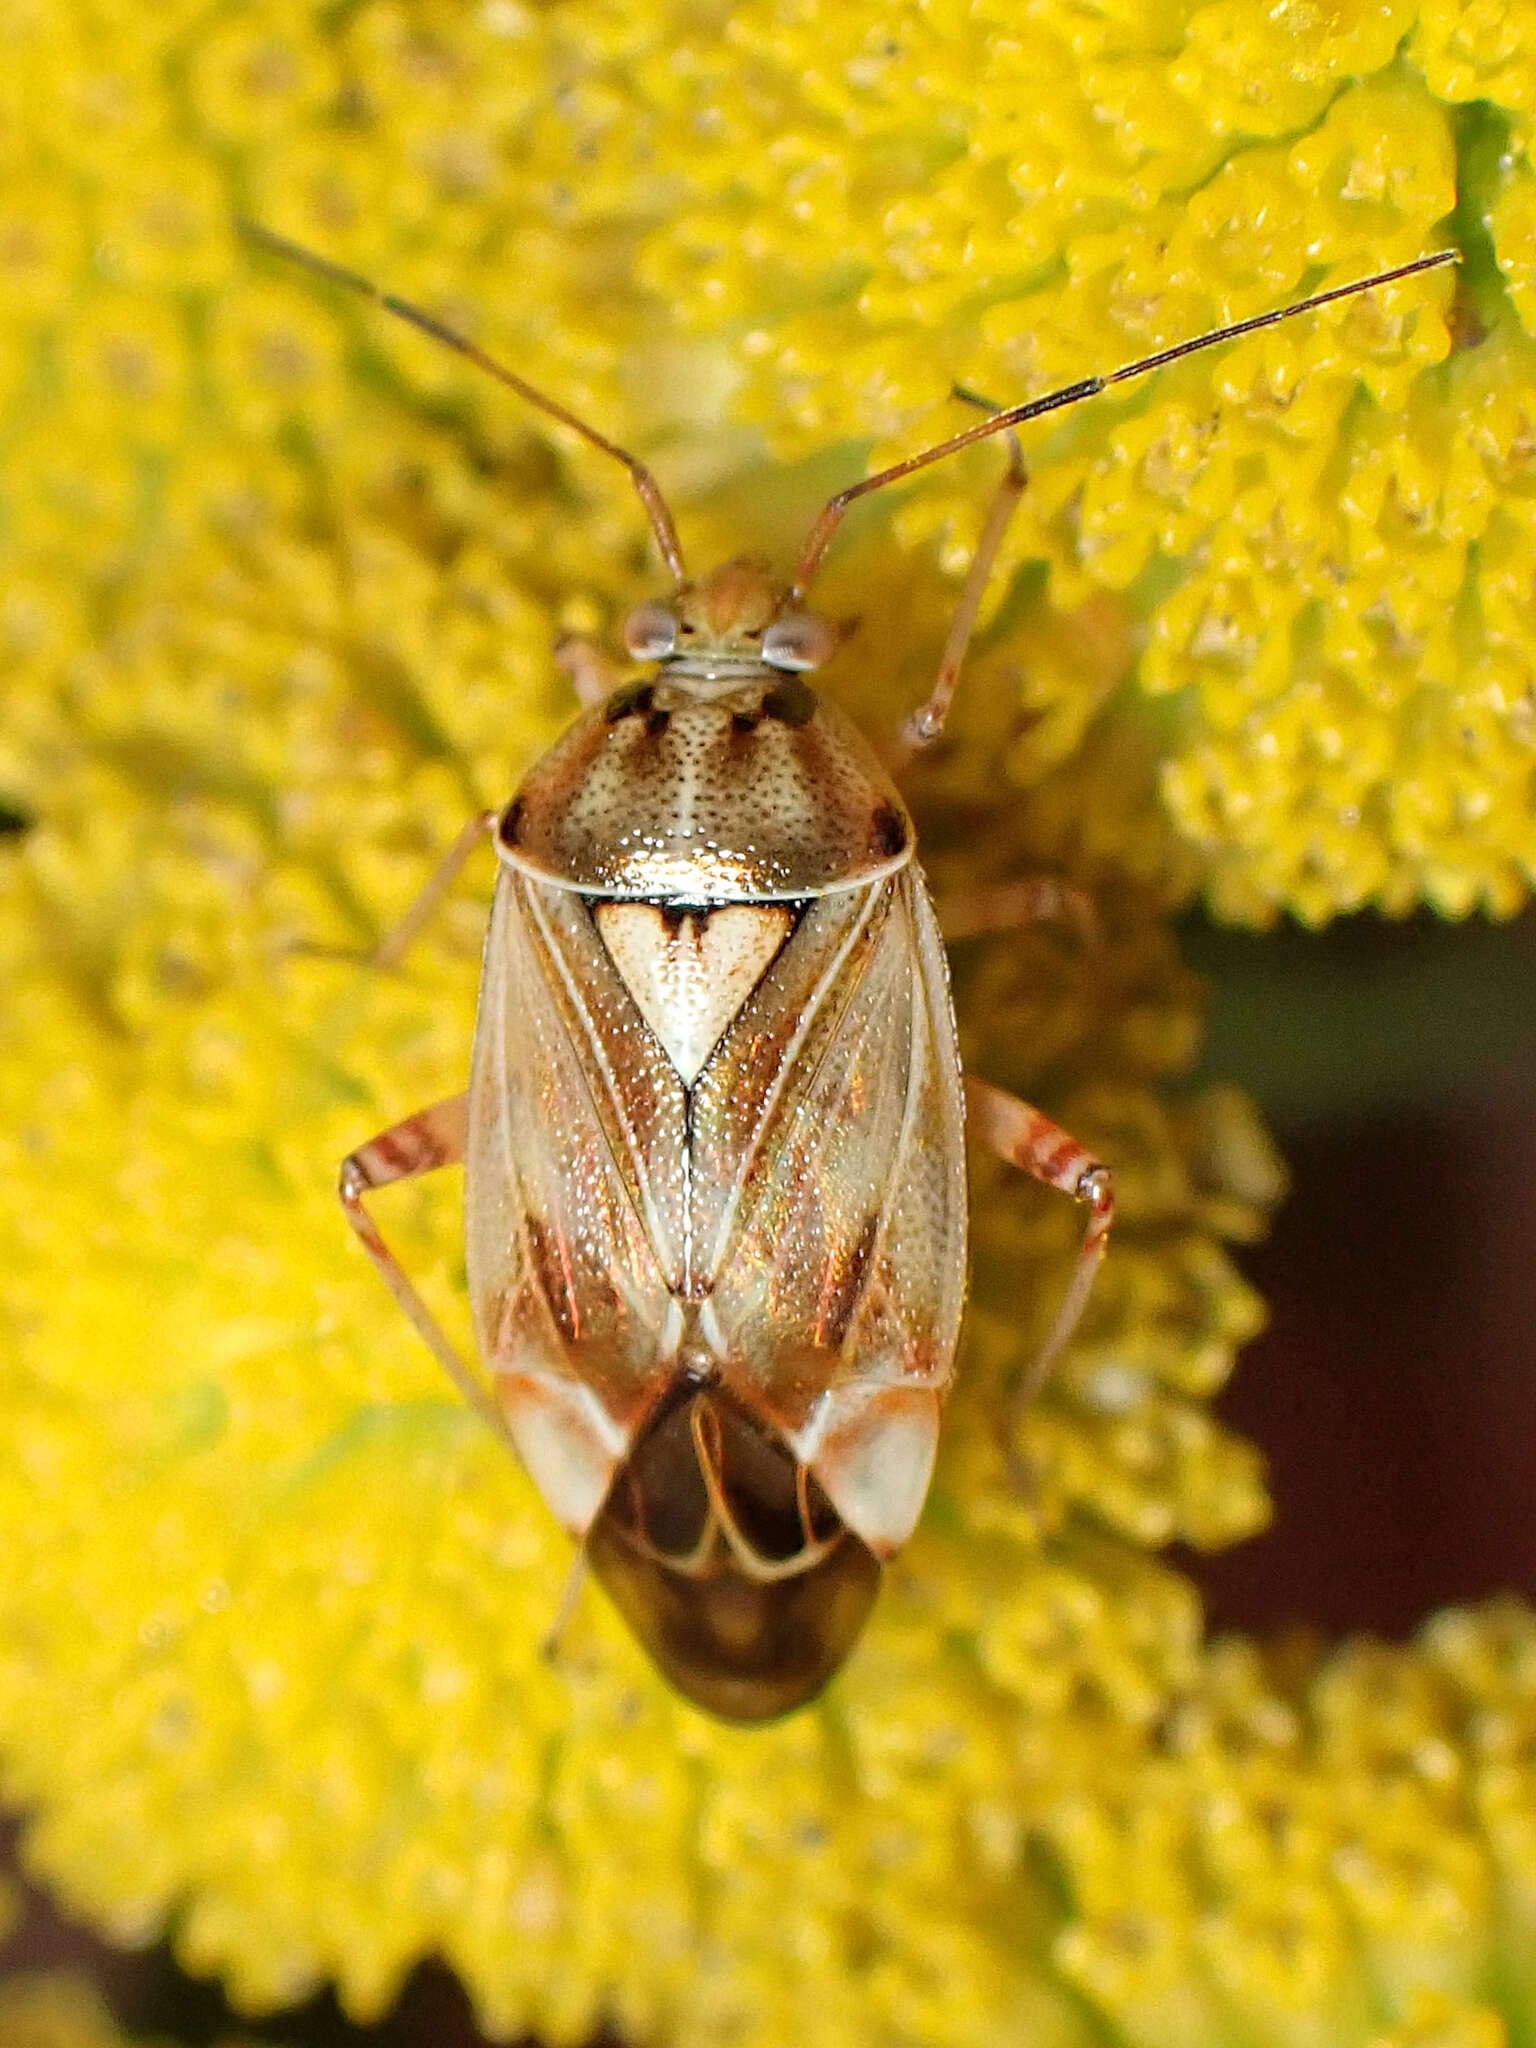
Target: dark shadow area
column 1371, row 1020
column 1394, row 1392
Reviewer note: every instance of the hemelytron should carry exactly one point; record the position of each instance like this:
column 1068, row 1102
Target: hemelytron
column 713, row 1138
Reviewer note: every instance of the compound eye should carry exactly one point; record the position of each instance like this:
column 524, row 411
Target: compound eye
column 650, row 632
column 798, row 641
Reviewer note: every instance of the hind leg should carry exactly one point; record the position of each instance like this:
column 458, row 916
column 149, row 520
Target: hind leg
column 1046, row 1152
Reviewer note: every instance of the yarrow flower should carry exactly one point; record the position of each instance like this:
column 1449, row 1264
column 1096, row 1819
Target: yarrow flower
column 278, row 593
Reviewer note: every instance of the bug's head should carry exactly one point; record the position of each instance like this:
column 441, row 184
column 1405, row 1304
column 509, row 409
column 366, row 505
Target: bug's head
column 740, row 612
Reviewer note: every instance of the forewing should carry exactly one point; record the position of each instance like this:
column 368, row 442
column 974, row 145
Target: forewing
column 569, row 1299
column 846, row 1255
column 637, row 1096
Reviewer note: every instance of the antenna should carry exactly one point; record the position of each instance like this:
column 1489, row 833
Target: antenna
column 645, row 484
column 1072, row 394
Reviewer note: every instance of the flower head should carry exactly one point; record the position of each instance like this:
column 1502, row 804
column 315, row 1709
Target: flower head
column 280, row 585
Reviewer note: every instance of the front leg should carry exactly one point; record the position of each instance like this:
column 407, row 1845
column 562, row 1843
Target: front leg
column 927, row 722
column 594, row 673
column 1045, row 1151
column 391, row 949
column 431, row 1138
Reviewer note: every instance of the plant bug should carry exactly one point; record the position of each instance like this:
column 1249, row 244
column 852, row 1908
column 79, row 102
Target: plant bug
column 713, row 1138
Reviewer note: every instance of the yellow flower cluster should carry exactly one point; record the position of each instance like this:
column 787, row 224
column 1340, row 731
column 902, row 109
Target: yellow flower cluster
column 275, row 1600
column 719, row 229
column 277, row 595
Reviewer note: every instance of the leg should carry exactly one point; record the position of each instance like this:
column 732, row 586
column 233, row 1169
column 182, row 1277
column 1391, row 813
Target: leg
column 391, row 949
column 1029, row 1140
column 927, row 722
column 593, row 671
column 1009, row 906
column 570, row 1594
column 431, row 1138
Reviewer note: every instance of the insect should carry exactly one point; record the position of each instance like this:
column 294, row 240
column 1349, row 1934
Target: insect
column 713, row 1138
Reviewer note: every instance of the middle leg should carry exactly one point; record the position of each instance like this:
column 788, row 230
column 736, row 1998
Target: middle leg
column 1010, row 906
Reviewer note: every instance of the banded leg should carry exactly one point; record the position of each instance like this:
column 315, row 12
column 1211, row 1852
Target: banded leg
column 1010, row 906
column 1028, row 1140
column 431, row 1138
column 927, row 721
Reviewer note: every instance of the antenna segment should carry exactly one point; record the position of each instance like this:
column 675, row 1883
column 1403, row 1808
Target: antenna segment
column 1072, row 394
column 645, row 484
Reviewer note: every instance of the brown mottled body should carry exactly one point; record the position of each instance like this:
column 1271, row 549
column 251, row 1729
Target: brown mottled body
column 715, row 1173
column 715, row 1201
column 713, row 1143
column 713, row 1147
